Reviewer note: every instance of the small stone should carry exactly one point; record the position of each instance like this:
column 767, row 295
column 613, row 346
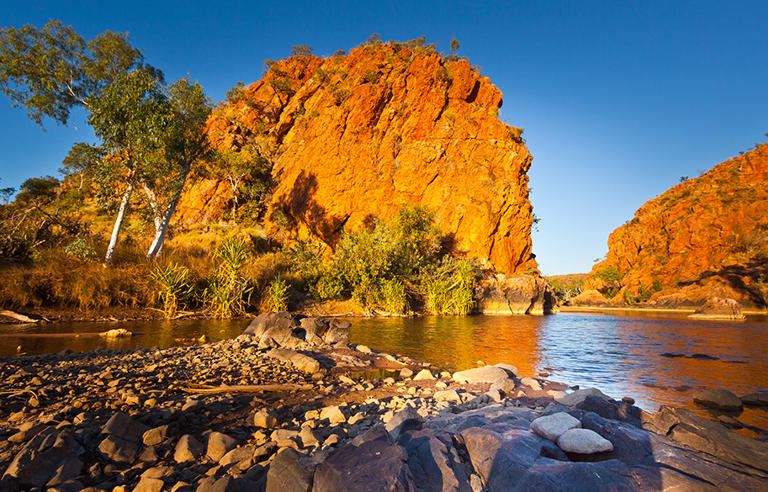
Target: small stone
column 553, row 426
column 485, row 374
column 155, row 436
column 406, row 372
column 573, row 399
column 149, row 485
column 531, row 383
column 364, row 349
column 346, row 380
column 583, row 441
column 424, row 375
column 264, row 419
column 332, row 440
column 285, row 438
column 308, row 437
column 333, row 414
column 219, row 444
column 447, row 395
column 187, row 449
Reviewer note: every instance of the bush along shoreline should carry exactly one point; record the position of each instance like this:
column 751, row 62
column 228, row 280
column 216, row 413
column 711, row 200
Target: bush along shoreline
column 291, row 405
column 396, row 268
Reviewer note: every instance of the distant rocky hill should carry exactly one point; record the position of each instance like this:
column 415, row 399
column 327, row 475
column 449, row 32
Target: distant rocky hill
column 356, row 136
column 705, row 237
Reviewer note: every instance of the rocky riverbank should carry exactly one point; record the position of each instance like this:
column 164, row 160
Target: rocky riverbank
column 290, row 405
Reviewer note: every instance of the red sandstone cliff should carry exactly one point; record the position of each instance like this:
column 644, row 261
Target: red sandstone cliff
column 357, row 136
column 706, row 237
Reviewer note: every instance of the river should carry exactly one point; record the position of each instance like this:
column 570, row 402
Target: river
column 655, row 359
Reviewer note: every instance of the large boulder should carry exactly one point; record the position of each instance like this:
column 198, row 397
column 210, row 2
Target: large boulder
column 281, row 328
column 290, row 471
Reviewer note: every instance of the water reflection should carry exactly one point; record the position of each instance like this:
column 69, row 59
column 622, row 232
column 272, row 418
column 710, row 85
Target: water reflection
column 653, row 359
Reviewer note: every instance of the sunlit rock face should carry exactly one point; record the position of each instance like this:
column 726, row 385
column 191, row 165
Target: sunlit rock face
column 705, row 237
column 357, row 136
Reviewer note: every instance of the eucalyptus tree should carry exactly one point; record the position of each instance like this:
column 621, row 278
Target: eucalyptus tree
column 184, row 143
column 130, row 116
column 49, row 71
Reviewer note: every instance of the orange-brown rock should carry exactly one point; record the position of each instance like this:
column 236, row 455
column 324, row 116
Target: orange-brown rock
column 520, row 294
column 706, row 237
column 358, row 136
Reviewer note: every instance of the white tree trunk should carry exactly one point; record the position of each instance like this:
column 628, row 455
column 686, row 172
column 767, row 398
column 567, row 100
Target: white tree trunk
column 162, row 220
column 118, row 223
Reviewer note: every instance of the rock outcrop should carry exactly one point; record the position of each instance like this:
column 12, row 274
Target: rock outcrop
column 358, row 136
column 705, row 237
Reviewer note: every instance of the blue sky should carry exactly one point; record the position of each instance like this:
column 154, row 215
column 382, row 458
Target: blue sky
column 618, row 99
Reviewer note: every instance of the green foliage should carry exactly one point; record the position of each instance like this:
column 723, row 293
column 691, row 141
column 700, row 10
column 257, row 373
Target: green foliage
column 228, row 292
column 371, row 76
column 281, row 84
column 236, row 94
column 609, row 274
column 301, row 50
column 249, row 175
column 454, row 45
column 50, row 70
column 173, row 286
column 276, row 296
column 81, row 249
column 389, row 266
column 566, row 287
column 450, row 287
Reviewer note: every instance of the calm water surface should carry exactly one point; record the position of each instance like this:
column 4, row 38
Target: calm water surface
column 621, row 355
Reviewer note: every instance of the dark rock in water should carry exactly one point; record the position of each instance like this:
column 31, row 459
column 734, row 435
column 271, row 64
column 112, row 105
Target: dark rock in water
column 704, row 357
column 611, row 409
column 374, row 465
column 51, row 453
column 672, row 354
column 710, row 437
column 756, row 399
column 433, row 461
column 718, row 398
column 290, row 471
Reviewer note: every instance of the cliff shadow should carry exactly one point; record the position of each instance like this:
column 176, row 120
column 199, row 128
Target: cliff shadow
column 300, row 206
column 755, row 270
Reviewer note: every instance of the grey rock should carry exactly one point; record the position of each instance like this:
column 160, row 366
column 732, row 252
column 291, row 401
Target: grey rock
column 40, row 458
column 756, row 399
column 119, row 449
column 155, row 436
column 125, row 427
column 290, row 471
column 553, row 426
column 485, row 374
column 219, row 444
column 434, row 462
column 147, row 484
column 264, row 419
column 187, row 449
column 583, row 441
column 572, row 399
column 404, row 420
column 300, row 361
column 406, row 372
column 242, row 457
column 374, row 465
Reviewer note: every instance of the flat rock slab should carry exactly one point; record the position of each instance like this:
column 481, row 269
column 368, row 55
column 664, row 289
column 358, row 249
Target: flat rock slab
column 300, row 361
column 718, row 398
column 434, row 462
column 583, row 441
column 374, row 465
column 553, row 426
column 486, row 374
column 756, row 399
column 290, row 472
